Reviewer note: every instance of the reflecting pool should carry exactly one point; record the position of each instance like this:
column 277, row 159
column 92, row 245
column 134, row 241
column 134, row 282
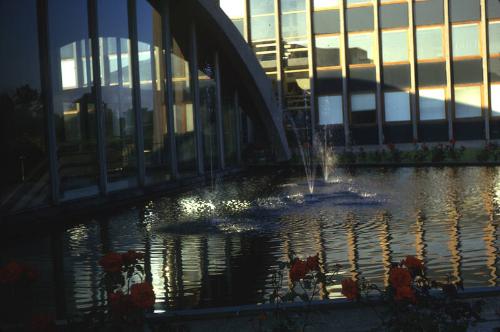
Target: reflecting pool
column 218, row 245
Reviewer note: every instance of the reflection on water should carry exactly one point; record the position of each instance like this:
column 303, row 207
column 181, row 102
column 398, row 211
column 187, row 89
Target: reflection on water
column 219, row 247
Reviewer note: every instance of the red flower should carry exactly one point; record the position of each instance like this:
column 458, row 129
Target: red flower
column 413, row 263
column 298, row 270
column 112, row 262
column 120, row 303
column 312, row 263
column 11, row 273
column 42, row 323
column 350, row 289
column 405, row 294
column 131, row 257
column 142, row 295
column 399, row 277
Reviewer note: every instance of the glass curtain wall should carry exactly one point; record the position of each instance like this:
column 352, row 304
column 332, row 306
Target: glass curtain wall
column 24, row 180
column 73, row 98
column 152, row 77
column 185, row 136
column 116, row 89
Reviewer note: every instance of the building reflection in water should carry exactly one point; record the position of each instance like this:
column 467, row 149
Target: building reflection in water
column 385, row 243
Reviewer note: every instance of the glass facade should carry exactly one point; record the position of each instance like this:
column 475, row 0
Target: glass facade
column 102, row 96
column 388, row 63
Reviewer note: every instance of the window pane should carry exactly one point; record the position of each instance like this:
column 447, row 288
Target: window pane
column 22, row 135
column 260, row 6
column 465, row 40
column 494, row 38
column 495, row 100
column 467, row 102
column 432, row 104
column 493, row 8
column 327, row 21
column 330, row 110
column 292, row 5
column 262, row 28
column 153, row 104
column 429, row 12
column 429, row 43
column 117, row 97
column 363, row 102
column 360, row 48
column 394, row 46
column 394, row 16
column 352, row 2
column 321, row 4
column 294, row 25
column 327, row 51
column 397, row 106
column 360, row 19
column 464, row 10
column 74, row 108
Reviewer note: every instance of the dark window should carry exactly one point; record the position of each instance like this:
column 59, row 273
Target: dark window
column 493, row 8
column 495, row 69
column 464, row 10
column 429, row 12
column 327, row 21
column 327, row 51
column 432, row 74
column 394, row 16
column 22, row 139
column 328, row 82
column 361, row 79
column 467, row 71
column 396, row 77
column 359, row 19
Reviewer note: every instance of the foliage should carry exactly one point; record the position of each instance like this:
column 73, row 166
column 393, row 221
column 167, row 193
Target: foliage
column 411, row 300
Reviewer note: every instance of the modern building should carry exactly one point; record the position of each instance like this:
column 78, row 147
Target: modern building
column 380, row 71
column 107, row 98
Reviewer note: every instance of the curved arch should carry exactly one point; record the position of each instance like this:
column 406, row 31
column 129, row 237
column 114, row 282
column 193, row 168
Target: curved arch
column 251, row 75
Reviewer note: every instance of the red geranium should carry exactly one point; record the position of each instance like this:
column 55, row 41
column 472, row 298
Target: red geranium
column 112, row 262
column 131, row 257
column 298, row 270
column 120, row 303
column 405, row 294
column 350, row 289
column 312, row 263
column 399, row 277
column 413, row 263
column 142, row 295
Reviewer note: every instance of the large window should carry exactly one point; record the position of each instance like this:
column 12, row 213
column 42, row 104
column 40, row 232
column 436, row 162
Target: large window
column 430, row 43
column 330, row 110
column 74, row 101
column 432, row 104
column 467, row 102
column 22, row 140
column 360, row 48
column 395, row 46
column 363, row 108
column 117, row 94
column 397, row 106
column 153, row 103
column 327, row 51
column 465, row 40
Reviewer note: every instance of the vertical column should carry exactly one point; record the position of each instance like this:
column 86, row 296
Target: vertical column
column 450, row 94
column 48, row 102
column 279, row 54
column 486, row 78
column 378, row 71
column 96, row 87
column 238, row 126
column 193, row 60
column 246, row 22
column 413, row 69
column 345, row 71
column 167, row 42
column 218, row 112
column 136, row 88
column 311, row 64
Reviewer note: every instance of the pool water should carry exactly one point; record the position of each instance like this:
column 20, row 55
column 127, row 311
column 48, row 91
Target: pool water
column 219, row 245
